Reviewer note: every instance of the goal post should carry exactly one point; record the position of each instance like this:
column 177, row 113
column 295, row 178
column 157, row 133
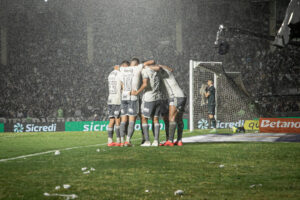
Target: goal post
column 233, row 102
column 192, row 66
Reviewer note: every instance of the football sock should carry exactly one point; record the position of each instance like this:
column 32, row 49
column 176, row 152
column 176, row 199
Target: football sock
column 122, row 131
column 126, row 129
column 167, row 129
column 172, row 130
column 130, row 131
column 179, row 130
column 146, row 132
column 153, row 129
column 209, row 123
column 110, row 132
column 156, row 132
column 143, row 136
column 213, row 120
column 117, row 129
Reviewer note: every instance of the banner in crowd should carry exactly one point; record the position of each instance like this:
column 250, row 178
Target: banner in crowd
column 203, row 124
column 102, row 125
column 279, row 125
column 1, row 127
column 251, row 125
column 34, row 127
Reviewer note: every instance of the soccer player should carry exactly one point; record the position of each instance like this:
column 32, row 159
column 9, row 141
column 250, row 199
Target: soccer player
column 126, row 78
column 114, row 102
column 210, row 95
column 177, row 101
column 164, row 108
column 151, row 103
column 131, row 78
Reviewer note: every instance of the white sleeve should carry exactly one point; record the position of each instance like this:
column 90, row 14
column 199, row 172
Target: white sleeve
column 145, row 74
column 120, row 77
column 140, row 66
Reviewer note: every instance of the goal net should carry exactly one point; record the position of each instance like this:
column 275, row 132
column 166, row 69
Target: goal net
column 233, row 104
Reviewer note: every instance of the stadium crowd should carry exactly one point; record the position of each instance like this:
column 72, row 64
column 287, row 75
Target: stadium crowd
column 81, row 92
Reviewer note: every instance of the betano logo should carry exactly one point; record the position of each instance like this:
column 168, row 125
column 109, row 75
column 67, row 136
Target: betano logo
column 18, row 127
column 279, row 124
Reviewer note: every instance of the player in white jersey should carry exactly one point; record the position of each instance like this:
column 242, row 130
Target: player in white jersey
column 177, row 101
column 131, row 78
column 114, row 102
column 151, row 103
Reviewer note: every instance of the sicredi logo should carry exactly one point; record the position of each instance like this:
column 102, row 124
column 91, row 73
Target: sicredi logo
column 103, row 127
column 94, row 127
column 18, row 127
column 279, row 124
column 203, row 124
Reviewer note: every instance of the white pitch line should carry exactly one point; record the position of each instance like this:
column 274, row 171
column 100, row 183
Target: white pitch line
column 10, row 136
column 52, row 151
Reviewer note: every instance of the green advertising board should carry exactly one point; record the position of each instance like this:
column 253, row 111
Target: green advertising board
column 102, row 125
column 1, row 127
column 86, row 126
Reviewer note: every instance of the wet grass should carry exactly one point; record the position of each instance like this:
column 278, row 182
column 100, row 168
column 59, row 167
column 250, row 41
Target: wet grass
column 202, row 171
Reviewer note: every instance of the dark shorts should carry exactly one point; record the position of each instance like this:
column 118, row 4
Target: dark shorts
column 114, row 111
column 164, row 107
column 151, row 109
column 178, row 102
column 130, row 108
column 211, row 109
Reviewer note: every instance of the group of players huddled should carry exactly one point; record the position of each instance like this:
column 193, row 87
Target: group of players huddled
column 147, row 90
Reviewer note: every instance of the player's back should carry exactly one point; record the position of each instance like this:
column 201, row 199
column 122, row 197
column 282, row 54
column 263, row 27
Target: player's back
column 152, row 91
column 171, row 84
column 114, row 88
column 126, row 78
column 136, row 79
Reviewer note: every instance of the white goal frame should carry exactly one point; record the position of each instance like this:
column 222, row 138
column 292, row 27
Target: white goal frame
column 193, row 65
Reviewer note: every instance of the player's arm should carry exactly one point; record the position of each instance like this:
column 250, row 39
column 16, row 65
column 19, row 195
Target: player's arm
column 143, row 86
column 120, row 77
column 207, row 92
column 166, row 68
column 154, row 67
column 149, row 62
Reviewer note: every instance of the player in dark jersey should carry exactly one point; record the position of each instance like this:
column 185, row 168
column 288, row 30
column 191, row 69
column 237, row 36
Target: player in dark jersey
column 211, row 96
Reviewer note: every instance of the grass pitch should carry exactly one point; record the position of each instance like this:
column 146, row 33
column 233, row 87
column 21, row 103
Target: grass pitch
column 202, row 171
